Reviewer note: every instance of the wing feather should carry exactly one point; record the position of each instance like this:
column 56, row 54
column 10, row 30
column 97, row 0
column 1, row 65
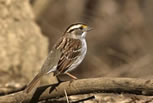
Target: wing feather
column 70, row 51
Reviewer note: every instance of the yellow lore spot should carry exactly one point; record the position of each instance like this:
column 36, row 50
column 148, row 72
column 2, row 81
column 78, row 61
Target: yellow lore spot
column 84, row 26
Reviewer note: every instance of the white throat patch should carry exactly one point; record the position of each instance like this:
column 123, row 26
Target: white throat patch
column 84, row 34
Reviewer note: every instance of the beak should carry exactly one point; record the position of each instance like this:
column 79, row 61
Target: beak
column 89, row 29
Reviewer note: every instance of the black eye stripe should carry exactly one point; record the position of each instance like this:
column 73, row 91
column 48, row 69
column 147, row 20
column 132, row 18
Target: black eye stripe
column 71, row 30
column 81, row 28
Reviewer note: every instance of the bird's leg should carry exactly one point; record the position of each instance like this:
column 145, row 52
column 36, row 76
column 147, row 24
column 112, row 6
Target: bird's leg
column 70, row 75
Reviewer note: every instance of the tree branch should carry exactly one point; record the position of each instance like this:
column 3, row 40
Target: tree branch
column 85, row 86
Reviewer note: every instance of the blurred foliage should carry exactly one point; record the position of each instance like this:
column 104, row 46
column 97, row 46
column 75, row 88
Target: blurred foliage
column 120, row 44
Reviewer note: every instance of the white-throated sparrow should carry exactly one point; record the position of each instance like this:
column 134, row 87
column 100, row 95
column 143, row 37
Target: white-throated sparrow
column 66, row 55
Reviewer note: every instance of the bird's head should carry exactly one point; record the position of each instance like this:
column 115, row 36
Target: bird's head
column 77, row 31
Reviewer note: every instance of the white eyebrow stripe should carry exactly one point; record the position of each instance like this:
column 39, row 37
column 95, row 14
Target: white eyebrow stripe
column 74, row 27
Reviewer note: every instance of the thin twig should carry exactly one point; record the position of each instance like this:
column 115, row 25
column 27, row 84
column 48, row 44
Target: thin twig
column 66, row 96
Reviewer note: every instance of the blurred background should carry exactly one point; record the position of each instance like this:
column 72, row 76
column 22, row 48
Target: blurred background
column 121, row 44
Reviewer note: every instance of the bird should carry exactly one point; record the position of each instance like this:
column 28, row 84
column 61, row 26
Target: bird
column 67, row 53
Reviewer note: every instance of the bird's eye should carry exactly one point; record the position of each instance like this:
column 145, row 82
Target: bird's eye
column 81, row 28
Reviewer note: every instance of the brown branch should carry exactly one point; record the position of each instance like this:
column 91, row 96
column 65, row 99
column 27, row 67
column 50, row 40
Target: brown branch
column 84, row 86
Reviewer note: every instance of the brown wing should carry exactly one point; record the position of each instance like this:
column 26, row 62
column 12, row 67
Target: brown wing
column 70, row 52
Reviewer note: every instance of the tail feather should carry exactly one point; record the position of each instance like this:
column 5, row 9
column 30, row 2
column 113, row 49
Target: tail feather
column 33, row 83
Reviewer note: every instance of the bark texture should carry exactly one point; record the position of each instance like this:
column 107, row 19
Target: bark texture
column 102, row 90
